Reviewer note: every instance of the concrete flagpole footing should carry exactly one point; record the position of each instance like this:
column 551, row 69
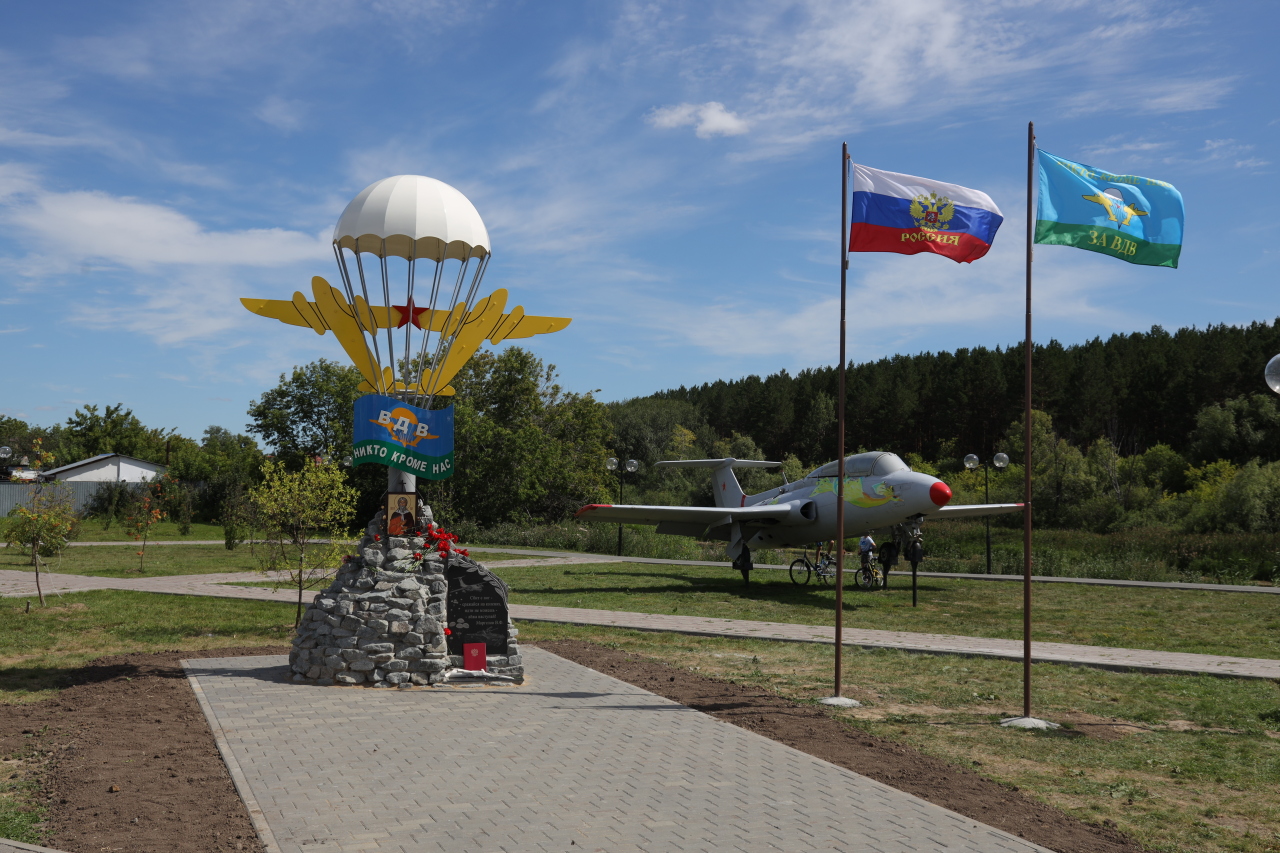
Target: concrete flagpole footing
column 1028, row 723
column 841, row 702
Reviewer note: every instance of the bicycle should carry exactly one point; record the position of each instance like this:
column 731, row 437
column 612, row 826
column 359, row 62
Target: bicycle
column 803, row 568
column 870, row 576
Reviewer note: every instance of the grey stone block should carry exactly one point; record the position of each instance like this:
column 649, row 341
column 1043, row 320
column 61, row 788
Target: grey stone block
column 378, row 608
column 382, row 658
column 420, row 678
column 378, row 626
column 331, row 620
column 349, row 678
column 364, row 583
column 413, row 639
column 335, row 662
column 368, row 633
column 313, row 672
column 341, row 632
column 361, row 665
column 326, row 672
column 374, row 598
column 396, row 615
column 347, row 643
column 344, row 608
column 377, row 675
column 395, row 665
column 377, row 648
column 399, row 627
column 410, row 654
column 353, row 654
column 383, row 586
column 435, row 608
column 397, row 677
column 351, row 623
column 407, row 585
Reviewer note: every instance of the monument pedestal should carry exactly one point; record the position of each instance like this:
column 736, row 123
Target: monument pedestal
column 390, row 618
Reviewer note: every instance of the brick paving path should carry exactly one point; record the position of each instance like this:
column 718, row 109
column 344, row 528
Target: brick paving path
column 572, row 756
column 15, row 584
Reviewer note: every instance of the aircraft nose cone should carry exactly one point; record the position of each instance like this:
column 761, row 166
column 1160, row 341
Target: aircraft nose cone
column 940, row 493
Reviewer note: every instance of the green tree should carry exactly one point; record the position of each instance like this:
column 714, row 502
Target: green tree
column 116, row 429
column 308, row 413
column 43, row 525
column 526, row 449
column 298, row 509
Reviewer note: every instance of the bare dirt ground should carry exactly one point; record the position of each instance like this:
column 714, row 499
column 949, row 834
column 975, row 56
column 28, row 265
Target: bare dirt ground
column 129, row 764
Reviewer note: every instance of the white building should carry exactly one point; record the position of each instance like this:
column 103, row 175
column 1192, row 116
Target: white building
column 106, row 467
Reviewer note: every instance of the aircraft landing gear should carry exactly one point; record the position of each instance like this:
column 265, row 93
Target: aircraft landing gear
column 743, row 564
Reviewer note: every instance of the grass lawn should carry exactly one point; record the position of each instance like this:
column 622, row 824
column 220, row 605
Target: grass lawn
column 38, row 648
column 1186, row 764
column 1245, row 625
column 1236, row 624
column 122, row 561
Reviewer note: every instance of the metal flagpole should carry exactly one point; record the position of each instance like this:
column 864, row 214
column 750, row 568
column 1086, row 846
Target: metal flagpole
column 844, row 270
column 1026, row 511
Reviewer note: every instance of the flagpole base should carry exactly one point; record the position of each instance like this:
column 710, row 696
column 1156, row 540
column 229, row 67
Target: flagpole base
column 841, row 702
column 1028, row 723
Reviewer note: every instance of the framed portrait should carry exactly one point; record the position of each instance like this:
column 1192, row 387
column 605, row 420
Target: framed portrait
column 402, row 514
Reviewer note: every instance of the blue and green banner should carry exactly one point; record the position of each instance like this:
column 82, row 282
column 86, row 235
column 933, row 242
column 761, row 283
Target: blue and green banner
column 393, row 433
column 1135, row 219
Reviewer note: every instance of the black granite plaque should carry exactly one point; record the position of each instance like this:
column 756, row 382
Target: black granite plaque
column 477, row 606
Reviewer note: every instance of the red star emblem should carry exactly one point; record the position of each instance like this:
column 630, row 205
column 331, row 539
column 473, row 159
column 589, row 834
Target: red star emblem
column 408, row 314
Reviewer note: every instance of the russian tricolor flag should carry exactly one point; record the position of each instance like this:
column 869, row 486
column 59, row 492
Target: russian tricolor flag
column 909, row 215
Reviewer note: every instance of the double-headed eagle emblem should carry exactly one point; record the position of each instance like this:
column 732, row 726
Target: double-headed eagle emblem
column 932, row 212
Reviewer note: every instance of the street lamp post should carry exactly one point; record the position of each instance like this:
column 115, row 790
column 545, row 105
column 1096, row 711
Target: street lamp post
column 630, row 467
column 1000, row 460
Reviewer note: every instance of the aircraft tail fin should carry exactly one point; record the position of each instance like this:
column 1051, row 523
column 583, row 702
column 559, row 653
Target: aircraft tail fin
column 727, row 491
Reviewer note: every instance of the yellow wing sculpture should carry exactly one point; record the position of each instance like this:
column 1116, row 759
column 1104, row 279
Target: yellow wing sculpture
column 331, row 312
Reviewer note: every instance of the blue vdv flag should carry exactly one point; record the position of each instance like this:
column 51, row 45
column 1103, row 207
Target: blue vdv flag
column 393, row 433
column 1135, row 219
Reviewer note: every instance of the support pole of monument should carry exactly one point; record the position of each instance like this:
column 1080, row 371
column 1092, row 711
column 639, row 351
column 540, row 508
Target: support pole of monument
column 1026, row 510
column 401, row 481
column 844, row 270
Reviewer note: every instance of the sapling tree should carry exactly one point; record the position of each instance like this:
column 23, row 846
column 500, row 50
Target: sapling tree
column 304, row 516
column 43, row 525
column 147, row 512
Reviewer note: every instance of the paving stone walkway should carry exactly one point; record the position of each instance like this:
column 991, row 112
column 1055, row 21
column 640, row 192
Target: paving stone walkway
column 573, row 760
column 15, row 584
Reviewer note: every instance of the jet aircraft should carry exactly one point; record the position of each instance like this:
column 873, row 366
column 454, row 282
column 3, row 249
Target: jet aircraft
column 880, row 491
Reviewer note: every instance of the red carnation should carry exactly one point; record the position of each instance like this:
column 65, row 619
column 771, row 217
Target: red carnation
column 448, row 632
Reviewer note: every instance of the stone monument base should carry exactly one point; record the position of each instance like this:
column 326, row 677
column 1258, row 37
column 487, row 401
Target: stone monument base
column 383, row 622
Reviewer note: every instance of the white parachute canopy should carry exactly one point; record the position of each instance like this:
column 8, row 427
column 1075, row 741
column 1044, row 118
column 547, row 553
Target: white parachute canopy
column 410, row 216
column 424, row 220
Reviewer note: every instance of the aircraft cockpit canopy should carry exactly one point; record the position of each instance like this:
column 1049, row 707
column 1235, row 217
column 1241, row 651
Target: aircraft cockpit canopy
column 875, row 463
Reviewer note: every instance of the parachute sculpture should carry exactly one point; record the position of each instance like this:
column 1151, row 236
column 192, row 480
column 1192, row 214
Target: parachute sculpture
column 428, row 235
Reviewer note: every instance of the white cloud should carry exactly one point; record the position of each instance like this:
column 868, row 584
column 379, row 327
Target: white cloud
column 83, row 226
column 281, row 113
column 711, row 119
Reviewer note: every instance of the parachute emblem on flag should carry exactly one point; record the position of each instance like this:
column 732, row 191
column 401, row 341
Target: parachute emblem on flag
column 932, row 212
column 1112, row 199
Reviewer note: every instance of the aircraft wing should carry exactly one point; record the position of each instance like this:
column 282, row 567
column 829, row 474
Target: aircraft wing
column 711, row 516
column 301, row 312
column 973, row 510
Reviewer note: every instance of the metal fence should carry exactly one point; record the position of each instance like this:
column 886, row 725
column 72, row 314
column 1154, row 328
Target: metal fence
column 14, row 494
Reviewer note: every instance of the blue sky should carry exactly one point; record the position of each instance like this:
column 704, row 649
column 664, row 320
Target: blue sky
column 667, row 174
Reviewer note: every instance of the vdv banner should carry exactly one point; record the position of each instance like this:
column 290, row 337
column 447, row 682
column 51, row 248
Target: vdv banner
column 393, row 433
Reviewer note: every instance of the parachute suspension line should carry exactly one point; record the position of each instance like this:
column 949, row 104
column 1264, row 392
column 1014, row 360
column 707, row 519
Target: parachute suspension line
column 386, row 297
column 448, row 331
column 470, row 302
column 426, row 332
column 355, row 309
column 364, row 288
